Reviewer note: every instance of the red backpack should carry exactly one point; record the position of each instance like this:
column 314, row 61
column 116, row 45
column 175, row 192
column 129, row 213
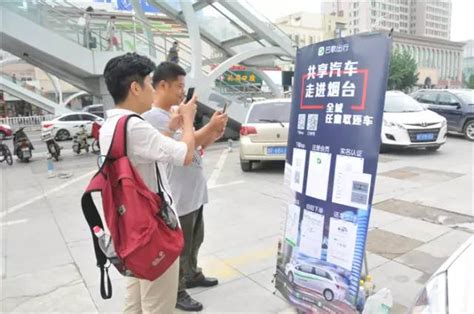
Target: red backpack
column 144, row 229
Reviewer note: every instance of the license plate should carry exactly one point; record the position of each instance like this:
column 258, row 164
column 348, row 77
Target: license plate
column 425, row 137
column 276, row 150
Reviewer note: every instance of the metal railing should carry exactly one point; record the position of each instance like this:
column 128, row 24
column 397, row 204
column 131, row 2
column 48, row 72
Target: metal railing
column 168, row 40
column 28, row 121
column 31, row 88
column 52, row 15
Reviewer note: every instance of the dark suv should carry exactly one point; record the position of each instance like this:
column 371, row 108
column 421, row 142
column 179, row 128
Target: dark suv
column 456, row 105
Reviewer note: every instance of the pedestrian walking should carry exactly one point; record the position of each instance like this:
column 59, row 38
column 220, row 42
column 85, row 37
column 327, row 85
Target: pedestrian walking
column 173, row 55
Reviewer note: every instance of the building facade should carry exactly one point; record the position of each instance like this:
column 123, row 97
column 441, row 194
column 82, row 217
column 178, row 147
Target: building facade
column 439, row 61
column 309, row 28
column 419, row 18
column 468, row 60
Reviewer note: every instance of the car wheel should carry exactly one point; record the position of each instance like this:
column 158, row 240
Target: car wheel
column 469, row 130
column 76, row 149
column 328, row 295
column 246, row 165
column 62, row 135
column 291, row 279
column 432, row 148
column 384, row 149
column 9, row 159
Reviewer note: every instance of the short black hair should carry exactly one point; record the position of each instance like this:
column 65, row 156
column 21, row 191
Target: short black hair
column 167, row 71
column 121, row 71
column 89, row 9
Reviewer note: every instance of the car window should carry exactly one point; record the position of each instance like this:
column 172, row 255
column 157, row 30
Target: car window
column 72, row 117
column 88, row 117
column 428, row 98
column 446, row 99
column 306, row 269
column 320, row 273
column 467, row 96
column 401, row 103
column 279, row 111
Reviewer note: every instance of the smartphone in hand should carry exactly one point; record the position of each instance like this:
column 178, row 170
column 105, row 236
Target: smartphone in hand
column 190, row 94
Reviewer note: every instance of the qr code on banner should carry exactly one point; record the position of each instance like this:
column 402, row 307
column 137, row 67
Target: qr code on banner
column 297, row 177
column 360, row 192
column 301, row 121
column 312, row 122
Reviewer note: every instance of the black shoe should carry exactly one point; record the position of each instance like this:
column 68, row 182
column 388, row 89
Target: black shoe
column 202, row 282
column 186, row 303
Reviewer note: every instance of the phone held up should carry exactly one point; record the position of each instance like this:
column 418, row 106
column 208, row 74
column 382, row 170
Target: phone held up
column 190, row 94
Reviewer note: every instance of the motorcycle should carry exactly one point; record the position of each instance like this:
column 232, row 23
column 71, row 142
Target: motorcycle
column 5, row 154
column 79, row 141
column 22, row 146
column 53, row 148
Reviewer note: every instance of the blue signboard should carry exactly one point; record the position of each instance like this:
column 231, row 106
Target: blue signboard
column 331, row 165
column 126, row 5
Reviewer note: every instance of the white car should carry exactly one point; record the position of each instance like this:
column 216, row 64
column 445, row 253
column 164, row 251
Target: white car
column 264, row 134
column 450, row 288
column 332, row 286
column 407, row 123
column 65, row 126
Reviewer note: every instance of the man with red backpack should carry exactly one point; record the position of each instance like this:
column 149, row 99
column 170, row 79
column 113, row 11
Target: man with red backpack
column 129, row 83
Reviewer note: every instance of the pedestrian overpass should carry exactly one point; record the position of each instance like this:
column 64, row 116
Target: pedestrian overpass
column 30, row 95
column 214, row 37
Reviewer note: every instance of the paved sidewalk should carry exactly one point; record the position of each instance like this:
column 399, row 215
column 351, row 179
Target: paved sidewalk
column 422, row 213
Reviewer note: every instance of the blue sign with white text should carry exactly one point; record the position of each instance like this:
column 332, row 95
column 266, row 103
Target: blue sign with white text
column 126, row 5
column 331, row 165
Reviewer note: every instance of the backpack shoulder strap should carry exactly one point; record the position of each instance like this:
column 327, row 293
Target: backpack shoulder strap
column 118, row 148
column 93, row 219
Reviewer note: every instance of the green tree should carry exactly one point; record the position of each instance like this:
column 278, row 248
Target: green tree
column 470, row 82
column 403, row 74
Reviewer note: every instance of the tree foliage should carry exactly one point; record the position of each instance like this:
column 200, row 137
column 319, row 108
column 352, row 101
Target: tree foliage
column 403, row 71
column 470, row 82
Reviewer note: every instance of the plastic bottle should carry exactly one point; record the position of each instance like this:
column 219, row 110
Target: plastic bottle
column 361, row 297
column 105, row 243
column 379, row 303
column 107, row 246
column 50, row 167
column 369, row 285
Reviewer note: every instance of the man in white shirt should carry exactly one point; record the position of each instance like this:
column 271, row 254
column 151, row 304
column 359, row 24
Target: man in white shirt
column 129, row 83
column 188, row 184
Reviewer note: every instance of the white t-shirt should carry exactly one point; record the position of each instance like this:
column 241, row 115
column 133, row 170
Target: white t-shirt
column 145, row 146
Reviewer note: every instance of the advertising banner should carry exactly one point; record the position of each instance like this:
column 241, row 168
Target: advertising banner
column 333, row 147
column 126, row 5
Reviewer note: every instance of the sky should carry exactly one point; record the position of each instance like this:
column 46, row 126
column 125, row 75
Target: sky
column 462, row 26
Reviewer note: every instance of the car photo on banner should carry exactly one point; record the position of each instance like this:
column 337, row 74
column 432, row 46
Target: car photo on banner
column 317, row 278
